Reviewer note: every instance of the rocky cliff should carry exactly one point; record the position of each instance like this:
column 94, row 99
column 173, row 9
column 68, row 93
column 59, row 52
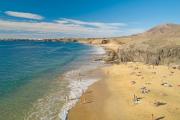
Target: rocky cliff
column 159, row 45
column 162, row 55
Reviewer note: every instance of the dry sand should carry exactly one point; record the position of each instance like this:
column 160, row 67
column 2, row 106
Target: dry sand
column 112, row 97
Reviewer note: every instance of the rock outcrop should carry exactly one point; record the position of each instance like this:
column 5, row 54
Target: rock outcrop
column 111, row 56
column 165, row 55
column 160, row 45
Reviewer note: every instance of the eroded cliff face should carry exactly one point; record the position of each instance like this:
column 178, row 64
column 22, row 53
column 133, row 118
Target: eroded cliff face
column 111, row 56
column 160, row 45
column 150, row 55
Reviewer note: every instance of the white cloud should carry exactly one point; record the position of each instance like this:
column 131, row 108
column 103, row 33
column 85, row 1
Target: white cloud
column 24, row 15
column 65, row 28
column 91, row 24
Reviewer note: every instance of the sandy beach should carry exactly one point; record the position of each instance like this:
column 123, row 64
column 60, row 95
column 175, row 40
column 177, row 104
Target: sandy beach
column 90, row 60
column 131, row 91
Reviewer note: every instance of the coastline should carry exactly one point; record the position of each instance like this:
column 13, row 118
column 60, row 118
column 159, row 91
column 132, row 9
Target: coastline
column 123, row 90
column 126, row 89
column 143, row 85
column 155, row 89
column 80, row 79
column 51, row 86
column 108, row 52
column 78, row 87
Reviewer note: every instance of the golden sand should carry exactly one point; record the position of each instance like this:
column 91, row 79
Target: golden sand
column 132, row 91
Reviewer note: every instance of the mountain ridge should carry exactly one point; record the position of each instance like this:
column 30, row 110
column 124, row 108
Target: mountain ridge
column 159, row 45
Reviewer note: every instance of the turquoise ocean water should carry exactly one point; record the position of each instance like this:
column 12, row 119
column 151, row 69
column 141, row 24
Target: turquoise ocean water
column 30, row 73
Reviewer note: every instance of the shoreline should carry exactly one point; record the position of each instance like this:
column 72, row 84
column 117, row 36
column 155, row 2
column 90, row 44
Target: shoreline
column 75, row 98
column 127, row 88
column 138, row 90
column 113, row 96
column 80, row 75
column 143, row 86
column 79, row 81
column 78, row 97
column 77, row 89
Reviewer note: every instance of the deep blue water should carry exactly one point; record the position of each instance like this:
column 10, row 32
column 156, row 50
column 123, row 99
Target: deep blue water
column 27, row 69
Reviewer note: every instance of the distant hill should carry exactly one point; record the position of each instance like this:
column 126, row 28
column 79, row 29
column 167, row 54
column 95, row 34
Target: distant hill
column 159, row 45
column 165, row 30
column 159, row 34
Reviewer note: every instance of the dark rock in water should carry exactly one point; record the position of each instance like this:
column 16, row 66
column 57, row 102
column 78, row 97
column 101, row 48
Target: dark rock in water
column 74, row 40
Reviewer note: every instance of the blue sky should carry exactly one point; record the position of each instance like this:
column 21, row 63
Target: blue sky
column 83, row 18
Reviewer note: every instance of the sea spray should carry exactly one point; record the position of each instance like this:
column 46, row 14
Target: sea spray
column 78, row 85
column 33, row 88
column 77, row 88
column 69, row 87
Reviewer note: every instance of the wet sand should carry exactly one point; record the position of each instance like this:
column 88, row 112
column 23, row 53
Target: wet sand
column 132, row 91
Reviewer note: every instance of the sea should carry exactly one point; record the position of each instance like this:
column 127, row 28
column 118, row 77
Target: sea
column 39, row 80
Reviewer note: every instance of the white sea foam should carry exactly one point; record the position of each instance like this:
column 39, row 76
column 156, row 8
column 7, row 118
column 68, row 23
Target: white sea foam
column 97, row 50
column 70, row 86
column 77, row 88
column 100, row 50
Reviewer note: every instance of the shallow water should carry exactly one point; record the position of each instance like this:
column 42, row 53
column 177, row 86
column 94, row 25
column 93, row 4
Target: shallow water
column 31, row 77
